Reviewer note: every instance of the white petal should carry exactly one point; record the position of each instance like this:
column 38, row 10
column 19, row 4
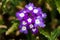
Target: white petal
column 31, row 25
column 24, row 28
column 21, row 14
column 24, row 23
column 29, row 19
column 37, row 21
column 24, row 11
column 35, row 11
column 34, row 30
column 30, row 8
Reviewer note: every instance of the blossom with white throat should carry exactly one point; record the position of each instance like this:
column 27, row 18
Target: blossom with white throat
column 31, row 25
column 21, row 14
column 37, row 21
column 35, row 10
column 24, row 22
column 23, row 28
column 31, row 18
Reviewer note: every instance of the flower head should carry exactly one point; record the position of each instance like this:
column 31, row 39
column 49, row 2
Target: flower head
column 31, row 18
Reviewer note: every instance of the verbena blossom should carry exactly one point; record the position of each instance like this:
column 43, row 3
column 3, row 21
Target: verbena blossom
column 31, row 18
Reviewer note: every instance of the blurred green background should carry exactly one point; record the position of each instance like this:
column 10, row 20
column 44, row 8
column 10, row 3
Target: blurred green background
column 9, row 24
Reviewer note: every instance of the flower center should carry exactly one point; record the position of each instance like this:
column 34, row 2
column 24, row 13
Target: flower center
column 24, row 23
column 31, row 25
column 29, row 19
column 23, row 28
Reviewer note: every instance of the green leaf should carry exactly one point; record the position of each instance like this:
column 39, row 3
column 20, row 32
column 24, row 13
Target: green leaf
column 57, row 2
column 1, row 20
column 2, row 31
column 39, row 1
column 30, row 36
column 53, row 8
column 12, row 28
column 55, row 33
column 52, row 4
column 46, row 34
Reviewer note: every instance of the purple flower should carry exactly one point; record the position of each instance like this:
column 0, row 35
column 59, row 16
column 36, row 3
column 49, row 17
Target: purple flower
column 34, row 30
column 23, row 22
column 21, row 15
column 31, row 26
column 31, row 18
column 37, row 10
column 23, row 29
column 44, row 15
column 30, row 6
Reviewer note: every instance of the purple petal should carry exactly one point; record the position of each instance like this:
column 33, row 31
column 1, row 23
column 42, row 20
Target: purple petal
column 30, row 6
column 34, row 30
column 23, row 30
column 44, row 15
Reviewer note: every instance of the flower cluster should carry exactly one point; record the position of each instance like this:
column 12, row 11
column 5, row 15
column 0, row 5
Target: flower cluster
column 30, row 18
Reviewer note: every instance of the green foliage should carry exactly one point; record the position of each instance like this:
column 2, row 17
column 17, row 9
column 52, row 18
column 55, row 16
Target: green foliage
column 55, row 33
column 57, row 2
column 46, row 34
column 13, row 28
column 10, row 7
column 2, row 30
column 30, row 36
